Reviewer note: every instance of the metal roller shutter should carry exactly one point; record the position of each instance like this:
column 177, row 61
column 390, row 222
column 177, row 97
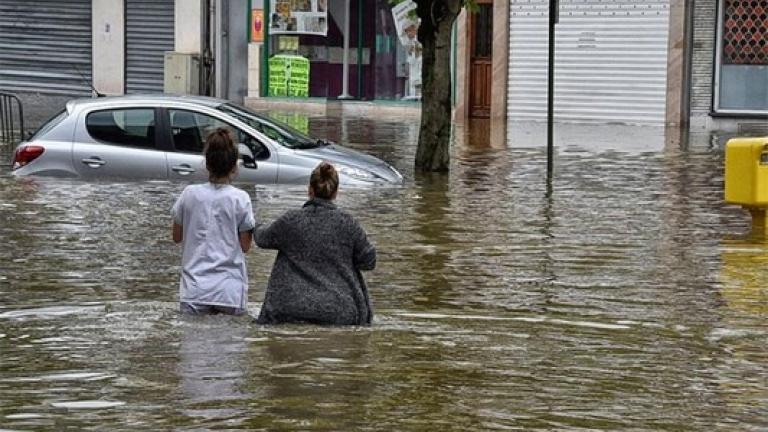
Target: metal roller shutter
column 610, row 64
column 45, row 46
column 148, row 35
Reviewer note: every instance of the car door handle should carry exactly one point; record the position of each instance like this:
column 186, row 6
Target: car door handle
column 94, row 162
column 183, row 169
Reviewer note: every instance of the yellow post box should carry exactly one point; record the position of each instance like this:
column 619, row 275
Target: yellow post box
column 746, row 177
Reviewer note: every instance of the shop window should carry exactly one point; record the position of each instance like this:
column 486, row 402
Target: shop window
column 305, row 49
column 742, row 69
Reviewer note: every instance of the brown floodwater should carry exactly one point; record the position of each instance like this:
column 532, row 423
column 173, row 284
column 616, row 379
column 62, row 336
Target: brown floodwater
column 624, row 296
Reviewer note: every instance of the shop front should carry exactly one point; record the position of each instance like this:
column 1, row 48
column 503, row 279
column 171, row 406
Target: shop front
column 741, row 68
column 303, row 51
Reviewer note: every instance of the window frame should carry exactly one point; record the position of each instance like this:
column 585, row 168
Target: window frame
column 157, row 144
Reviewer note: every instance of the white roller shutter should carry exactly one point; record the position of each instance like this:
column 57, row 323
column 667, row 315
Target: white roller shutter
column 148, row 35
column 45, row 46
column 610, row 65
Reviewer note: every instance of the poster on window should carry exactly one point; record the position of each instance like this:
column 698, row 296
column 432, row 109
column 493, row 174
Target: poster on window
column 406, row 21
column 299, row 17
column 407, row 27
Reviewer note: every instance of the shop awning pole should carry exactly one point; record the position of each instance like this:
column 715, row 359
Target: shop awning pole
column 345, row 62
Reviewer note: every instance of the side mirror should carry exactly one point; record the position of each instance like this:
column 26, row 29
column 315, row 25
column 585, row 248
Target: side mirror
column 246, row 155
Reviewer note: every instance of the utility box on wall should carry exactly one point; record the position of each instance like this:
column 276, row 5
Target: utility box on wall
column 182, row 73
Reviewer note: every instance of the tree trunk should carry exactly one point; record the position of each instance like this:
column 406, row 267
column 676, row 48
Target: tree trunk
column 437, row 18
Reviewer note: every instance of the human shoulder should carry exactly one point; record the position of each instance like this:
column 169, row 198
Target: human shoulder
column 239, row 193
column 347, row 219
column 344, row 214
column 189, row 190
column 193, row 189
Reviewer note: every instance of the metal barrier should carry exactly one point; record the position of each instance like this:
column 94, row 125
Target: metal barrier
column 11, row 126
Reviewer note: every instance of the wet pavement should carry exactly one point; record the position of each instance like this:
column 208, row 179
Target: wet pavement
column 625, row 296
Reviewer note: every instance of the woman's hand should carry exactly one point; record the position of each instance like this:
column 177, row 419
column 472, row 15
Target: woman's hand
column 178, row 233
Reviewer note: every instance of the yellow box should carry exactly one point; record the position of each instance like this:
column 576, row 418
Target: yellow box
column 746, row 171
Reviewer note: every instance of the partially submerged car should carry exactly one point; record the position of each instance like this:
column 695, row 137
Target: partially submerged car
column 162, row 137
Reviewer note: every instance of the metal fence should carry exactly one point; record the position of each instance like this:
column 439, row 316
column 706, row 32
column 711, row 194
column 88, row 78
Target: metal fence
column 11, row 119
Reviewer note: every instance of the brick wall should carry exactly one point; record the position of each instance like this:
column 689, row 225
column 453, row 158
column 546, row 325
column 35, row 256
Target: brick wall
column 702, row 68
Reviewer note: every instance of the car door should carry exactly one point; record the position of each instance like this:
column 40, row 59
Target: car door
column 118, row 143
column 188, row 130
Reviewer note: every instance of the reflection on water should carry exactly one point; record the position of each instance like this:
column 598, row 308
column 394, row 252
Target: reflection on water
column 623, row 295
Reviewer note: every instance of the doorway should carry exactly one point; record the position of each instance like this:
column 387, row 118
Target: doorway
column 481, row 42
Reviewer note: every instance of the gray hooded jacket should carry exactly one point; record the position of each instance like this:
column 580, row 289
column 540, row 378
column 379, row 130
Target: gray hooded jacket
column 316, row 277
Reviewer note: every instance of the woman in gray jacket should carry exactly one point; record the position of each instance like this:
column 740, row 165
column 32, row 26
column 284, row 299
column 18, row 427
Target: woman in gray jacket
column 316, row 277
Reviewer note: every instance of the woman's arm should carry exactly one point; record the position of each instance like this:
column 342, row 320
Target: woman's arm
column 246, row 239
column 364, row 252
column 178, row 233
column 268, row 236
column 177, row 213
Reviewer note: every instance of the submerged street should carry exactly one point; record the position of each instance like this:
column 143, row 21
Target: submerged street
column 631, row 297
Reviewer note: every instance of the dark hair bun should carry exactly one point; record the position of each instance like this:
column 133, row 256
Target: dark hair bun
column 324, row 181
column 220, row 154
column 326, row 170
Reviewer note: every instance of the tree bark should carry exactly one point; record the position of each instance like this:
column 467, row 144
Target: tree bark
column 437, row 18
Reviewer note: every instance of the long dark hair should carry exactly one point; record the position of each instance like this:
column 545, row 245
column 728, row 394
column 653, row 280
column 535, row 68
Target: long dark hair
column 324, row 181
column 220, row 154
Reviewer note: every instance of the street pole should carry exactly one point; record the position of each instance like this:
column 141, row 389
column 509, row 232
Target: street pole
column 554, row 12
column 345, row 62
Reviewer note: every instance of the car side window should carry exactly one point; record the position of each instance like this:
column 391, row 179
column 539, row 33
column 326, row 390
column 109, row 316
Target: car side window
column 133, row 127
column 189, row 130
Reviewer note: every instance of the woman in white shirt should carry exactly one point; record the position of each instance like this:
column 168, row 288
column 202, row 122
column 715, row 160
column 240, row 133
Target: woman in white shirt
column 214, row 223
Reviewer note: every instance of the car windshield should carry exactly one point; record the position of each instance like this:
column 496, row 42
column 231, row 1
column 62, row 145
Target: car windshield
column 280, row 132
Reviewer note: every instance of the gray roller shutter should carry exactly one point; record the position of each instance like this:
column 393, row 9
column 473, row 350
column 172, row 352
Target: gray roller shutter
column 45, row 46
column 611, row 61
column 148, row 35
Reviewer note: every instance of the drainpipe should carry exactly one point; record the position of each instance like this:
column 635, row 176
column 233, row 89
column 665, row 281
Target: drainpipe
column 220, row 49
column 359, row 49
column 345, row 62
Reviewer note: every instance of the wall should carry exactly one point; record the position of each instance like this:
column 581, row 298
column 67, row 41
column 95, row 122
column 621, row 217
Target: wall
column 108, row 17
column 188, row 31
column 678, row 110
column 705, row 20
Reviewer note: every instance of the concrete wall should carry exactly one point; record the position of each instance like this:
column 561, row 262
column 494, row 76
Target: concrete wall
column 108, row 18
column 500, row 62
column 461, row 110
column 188, row 30
column 254, row 70
column 677, row 109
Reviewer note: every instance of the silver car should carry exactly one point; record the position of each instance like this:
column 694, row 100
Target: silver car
column 162, row 137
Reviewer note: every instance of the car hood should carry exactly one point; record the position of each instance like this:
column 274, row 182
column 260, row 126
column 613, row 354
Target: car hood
column 335, row 153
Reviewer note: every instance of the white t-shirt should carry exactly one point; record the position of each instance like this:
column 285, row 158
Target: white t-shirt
column 213, row 264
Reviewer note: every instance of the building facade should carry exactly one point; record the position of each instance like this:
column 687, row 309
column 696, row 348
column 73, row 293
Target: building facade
column 654, row 62
column 649, row 62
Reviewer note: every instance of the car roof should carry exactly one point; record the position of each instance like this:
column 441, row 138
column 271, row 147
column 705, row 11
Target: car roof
column 150, row 99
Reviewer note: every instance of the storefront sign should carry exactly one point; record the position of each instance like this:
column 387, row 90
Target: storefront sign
column 257, row 25
column 288, row 43
column 289, row 76
column 299, row 17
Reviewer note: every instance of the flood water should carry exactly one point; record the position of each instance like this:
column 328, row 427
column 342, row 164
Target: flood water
column 629, row 298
